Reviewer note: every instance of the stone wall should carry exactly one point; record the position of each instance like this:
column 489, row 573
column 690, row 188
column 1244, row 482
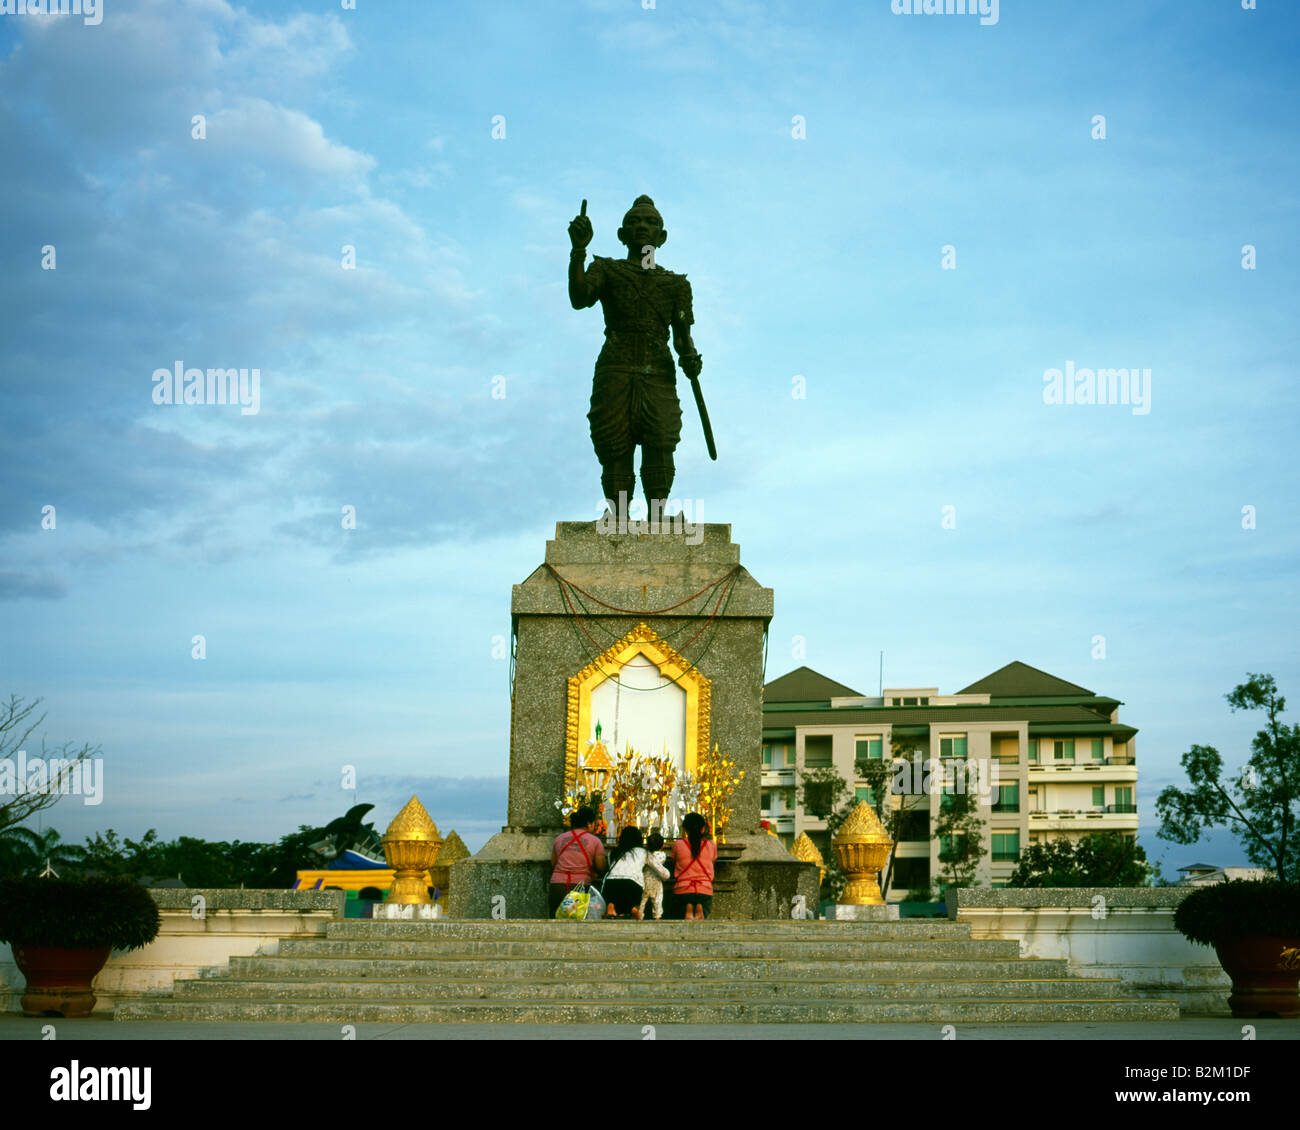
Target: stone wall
column 232, row 924
column 1128, row 934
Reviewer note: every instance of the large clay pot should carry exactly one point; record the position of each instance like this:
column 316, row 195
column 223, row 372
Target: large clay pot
column 1265, row 975
column 58, row 980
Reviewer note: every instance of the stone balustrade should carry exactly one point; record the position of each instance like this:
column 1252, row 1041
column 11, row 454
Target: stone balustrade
column 196, row 936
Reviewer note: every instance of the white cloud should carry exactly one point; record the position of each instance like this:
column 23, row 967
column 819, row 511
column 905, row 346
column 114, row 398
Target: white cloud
column 280, row 135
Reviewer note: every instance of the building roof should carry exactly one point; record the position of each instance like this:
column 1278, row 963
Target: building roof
column 803, row 684
column 1199, row 867
column 1040, row 718
column 1019, row 680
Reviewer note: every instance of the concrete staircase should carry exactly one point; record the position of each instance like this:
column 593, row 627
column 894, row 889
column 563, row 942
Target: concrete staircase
column 625, row 972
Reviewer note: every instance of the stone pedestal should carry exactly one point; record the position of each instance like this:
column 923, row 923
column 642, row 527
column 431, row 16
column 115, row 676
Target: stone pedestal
column 887, row 912
column 594, row 588
column 409, row 912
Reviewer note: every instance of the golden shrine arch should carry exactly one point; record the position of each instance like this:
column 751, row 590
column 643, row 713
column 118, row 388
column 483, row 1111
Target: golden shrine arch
column 641, row 642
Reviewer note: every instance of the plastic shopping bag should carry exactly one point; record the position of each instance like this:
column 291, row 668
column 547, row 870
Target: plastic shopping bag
column 575, row 903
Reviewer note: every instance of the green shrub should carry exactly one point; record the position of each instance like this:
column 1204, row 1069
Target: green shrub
column 1240, row 908
column 77, row 913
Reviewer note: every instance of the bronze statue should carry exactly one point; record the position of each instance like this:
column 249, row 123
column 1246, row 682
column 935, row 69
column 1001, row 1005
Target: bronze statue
column 634, row 393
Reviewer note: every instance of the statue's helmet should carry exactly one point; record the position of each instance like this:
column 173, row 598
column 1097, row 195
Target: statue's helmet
column 641, row 205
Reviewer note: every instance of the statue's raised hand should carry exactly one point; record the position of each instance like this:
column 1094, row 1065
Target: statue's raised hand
column 580, row 229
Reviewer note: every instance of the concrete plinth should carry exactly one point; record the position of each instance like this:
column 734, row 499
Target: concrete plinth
column 887, row 912
column 594, row 588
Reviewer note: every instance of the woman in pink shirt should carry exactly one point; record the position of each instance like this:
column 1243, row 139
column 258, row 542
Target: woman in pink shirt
column 693, row 857
column 576, row 857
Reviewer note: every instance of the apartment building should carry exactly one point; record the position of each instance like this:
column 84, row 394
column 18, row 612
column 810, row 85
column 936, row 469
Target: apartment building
column 1064, row 764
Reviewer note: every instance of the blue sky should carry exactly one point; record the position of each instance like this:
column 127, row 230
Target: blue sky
column 817, row 257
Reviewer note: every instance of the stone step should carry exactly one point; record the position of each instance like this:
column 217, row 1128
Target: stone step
column 608, row 969
column 712, row 930
column 794, row 1011
column 610, row 948
column 437, row 990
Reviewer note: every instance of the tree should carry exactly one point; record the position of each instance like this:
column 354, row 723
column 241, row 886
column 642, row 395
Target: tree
column 24, row 852
column 958, row 832
column 15, row 729
column 1261, row 803
column 825, row 795
column 1102, row 859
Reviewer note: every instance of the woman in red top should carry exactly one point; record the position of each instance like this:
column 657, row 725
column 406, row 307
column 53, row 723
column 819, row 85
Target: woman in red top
column 576, row 857
column 693, row 858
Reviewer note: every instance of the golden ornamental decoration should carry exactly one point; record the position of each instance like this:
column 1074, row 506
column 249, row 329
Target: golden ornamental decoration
column 453, row 849
column 863, row 821
column 413, row 823
column 804, row 850
column 862, row 847
column 597, row 756
column 411, row 846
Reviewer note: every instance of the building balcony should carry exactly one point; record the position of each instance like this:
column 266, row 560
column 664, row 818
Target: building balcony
column 1112, row 769
column 776, row 778
column 1112, row 816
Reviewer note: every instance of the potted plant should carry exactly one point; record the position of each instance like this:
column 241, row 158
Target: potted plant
column 62, row 931
column 1254, row 927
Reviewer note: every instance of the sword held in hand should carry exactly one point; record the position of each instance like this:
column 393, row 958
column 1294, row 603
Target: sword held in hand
column 704, row 416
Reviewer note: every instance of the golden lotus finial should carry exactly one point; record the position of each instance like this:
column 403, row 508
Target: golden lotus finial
column 804, row 850
column 453, row 848
column 412, row 823
column 861, row 848
column 863, row 821
column 411, row 846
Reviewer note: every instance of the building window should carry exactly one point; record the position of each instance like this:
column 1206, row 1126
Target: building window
column 867, row 793
column 1006, row 846
column 1124, row 800
column 1061, row 750
column 954, row 745
column 951, row 845
column 910, row 874
column 765, row 802
column 1098, row 796
column 869, row 749
column 1033, row 749
column 817, row 752
column 767, row 757
column 1008, row 798
column 914, row 827
column 1097, row 749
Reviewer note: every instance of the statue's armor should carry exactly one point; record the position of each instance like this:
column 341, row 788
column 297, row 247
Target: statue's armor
column 634, row 393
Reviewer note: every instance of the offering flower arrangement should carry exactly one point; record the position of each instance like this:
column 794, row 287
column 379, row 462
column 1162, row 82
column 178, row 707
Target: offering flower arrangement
column 593, row 799
column 718, row 781
column 644, row 790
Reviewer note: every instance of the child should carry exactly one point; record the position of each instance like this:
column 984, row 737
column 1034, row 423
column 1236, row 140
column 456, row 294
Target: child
column 654, row 873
